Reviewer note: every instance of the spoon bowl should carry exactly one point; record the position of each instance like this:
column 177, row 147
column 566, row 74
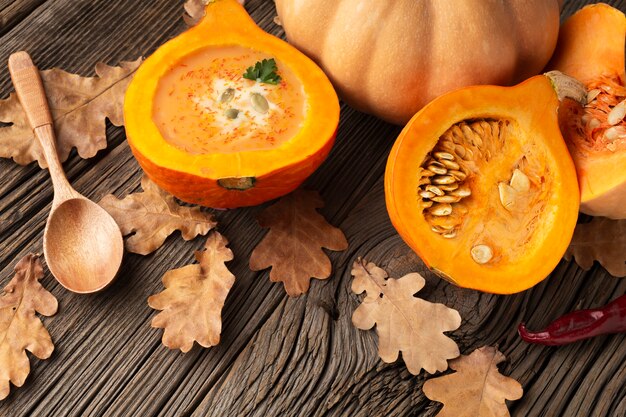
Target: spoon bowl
column 83, row 246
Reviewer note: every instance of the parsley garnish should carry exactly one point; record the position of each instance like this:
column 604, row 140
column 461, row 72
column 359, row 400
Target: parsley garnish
column 263, row 72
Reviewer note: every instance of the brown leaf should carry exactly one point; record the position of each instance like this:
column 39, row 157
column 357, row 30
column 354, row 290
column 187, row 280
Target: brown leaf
column 476, row 389
column 79, row 106
column 20, row 329
column 602, row 240
column 193, row 298
column 403, row 322
column 194, row 11
column 293, row 246
column 154, row 215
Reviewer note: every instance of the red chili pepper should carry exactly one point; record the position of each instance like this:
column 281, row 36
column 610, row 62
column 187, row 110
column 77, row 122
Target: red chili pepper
column 581, row 324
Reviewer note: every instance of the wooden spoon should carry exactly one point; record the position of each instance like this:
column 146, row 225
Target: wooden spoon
column 82, row 243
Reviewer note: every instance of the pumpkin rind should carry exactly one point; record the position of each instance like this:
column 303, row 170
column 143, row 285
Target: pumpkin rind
column 270, row 173
column 389, row 58
column 533, row 106
column 591, row 48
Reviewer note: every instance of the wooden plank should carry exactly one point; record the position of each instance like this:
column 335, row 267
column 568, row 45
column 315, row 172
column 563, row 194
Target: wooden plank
column 337, row 359
column 13, row 11
column 278, row 356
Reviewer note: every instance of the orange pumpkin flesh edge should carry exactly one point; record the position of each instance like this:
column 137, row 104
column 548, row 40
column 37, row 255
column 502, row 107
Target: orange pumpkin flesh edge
column 591, row 49
column 230, row 179
column 531, row 108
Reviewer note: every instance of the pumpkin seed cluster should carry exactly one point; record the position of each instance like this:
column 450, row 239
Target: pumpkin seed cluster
column 444, row 174
column 603, row 120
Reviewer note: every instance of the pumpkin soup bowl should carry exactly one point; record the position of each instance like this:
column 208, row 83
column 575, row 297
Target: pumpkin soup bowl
column 226, row 115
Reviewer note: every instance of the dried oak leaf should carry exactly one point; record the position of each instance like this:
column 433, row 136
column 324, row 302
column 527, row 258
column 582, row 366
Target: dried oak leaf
column 602, row 240
column 476, row 389
column 403, row 322
column 79, row 106
column 293, row 246
column 152, row 216
column 193, row 298
column 20, row 329
column 194, row 11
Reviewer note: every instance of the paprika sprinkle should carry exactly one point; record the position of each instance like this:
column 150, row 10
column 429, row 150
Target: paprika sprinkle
column 580, row 325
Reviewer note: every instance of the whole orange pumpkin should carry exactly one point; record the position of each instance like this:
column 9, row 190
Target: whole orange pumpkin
column 389, row 58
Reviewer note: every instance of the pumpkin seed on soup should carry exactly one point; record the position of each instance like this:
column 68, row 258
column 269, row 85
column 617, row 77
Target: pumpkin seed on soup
column 232, row 113
column 227, row 96
column 259, row 103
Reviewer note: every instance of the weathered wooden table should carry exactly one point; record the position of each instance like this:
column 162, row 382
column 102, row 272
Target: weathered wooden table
column 278, row 356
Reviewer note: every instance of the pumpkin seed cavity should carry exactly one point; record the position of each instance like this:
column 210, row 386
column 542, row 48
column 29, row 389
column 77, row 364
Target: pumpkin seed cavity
column 445, row 171
column 603, row 122
column 451, row 170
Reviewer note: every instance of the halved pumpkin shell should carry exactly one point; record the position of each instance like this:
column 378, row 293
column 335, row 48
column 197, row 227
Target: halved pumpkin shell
column 481, row 186
column 199, row 168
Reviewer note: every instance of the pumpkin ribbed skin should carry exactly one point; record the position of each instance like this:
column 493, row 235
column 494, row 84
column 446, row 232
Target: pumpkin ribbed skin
column 389, row 58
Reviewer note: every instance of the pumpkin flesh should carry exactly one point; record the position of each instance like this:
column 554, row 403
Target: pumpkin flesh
column 518, row 192
column 247, row 170
column 591, row 49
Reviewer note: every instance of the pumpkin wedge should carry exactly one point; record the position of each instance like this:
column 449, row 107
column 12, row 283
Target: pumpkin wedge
column 481, row 186
column 591, row 49
column 226, row 115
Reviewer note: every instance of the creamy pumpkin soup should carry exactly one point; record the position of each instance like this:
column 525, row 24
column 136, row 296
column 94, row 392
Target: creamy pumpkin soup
column 205, row 105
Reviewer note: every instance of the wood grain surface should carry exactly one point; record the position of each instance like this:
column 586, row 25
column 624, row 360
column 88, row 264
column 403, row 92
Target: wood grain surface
column 278, row 356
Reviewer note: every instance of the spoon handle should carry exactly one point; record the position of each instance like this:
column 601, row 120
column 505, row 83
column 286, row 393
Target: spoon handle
column 30, row 91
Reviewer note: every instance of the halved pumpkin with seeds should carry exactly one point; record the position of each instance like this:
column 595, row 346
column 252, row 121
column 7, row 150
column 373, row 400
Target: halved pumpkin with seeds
column 591, row 49
column 481, row 185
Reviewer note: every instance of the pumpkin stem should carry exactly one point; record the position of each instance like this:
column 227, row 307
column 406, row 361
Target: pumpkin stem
column 567, row 87
column 237, row 183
